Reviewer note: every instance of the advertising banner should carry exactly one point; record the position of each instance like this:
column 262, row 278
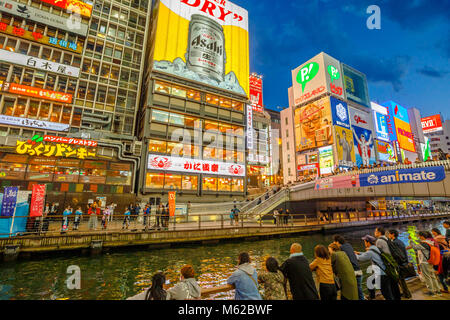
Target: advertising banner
column 432, row 124
column 381, row 126
column 416, row 175
column 360, row 118
column 344, row 147
column 203, row 41
column 256, row 94
column 385, row 151
column 38, row 124
column 36, row 92
column 340, row 113
column 326, row 160
column 37, row 200
column 364, row 149
column 313, row 125
column 318, row 75
column 355, row 84
column 36, row 147
column 168, row 163
column 338, row 182
column 40, row 64
column 403, row 132
column 426, row 149
column 75, row 6
column 72, row 24
column 9, row 201
column 249, row 128
column 172, row 204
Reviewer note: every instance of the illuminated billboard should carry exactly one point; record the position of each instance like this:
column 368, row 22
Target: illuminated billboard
column 344, row 147
column 313, row 125
column 339, row 110
column 355, row 84
column 317, row 76
column 380, row 122
column 364, row 149
column 326, row 160
column 256, row 96
column 385, row 152
column 75, row 6
column 203, row 41
column 403, row 130
column 432, row 124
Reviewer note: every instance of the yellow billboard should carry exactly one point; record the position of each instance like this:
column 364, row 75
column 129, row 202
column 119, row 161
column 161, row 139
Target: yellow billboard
column 344, row 147
column 313, row 125
column 204, row 41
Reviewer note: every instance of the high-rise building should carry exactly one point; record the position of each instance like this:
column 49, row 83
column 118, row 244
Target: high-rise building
column 437, row 133
column 192, row 116
column 70, row 79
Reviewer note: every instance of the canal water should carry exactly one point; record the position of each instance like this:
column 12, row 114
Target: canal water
column 119, row 275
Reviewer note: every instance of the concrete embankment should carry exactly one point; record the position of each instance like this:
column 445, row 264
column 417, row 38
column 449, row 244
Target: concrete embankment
column 96, row 242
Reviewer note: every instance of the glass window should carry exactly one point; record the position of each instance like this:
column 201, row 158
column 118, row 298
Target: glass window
column 209, row 153
column 179, row 91
column 66, row 115
column 224, row 184
column 90, row 92
column 56, row 112
column 117, row 177
column 101, row 94
column 157, row 146
column 56, row 57
column 209, row 184
column 39, row 77
column 176, row 119
column 226, row 103
column 23, row 48
column 13, row 171
column 238, row 185
column 239, row 106
column 193, row 94
column 67, row 174
column 16, row 74
column 111, row 97
column 44, row 111
column 162, row 87
column 124, row 75
column 191, row 122
column 8, row 107
column 27, row 77
column 211, row 99
column 154, row 180
column 189, row 182
column 161, row 116
column 19, row 111
column 4, row 69
column 172, row 181
column 76, row 117
column 40, row 172
column 33, row 109
column 50, row 83
column 175, row 148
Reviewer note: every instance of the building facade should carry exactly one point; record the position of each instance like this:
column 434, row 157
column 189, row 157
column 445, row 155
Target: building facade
column 70, row 86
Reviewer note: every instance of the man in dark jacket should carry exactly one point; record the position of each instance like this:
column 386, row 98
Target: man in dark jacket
column 296, row 270
column 348, row 249
column 393, row 235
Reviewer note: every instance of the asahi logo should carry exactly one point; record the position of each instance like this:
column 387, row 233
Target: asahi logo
column 213, row 45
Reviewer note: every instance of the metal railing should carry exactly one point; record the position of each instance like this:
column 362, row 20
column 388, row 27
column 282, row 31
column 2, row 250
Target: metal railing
column 67, row 225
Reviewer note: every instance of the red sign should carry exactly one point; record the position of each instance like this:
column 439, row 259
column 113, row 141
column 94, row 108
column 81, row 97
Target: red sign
column 38, row 93
column 172, row 196
column 309, row 95
column 66, row 140
column 57, row 3
column 312, row 166
column 37, row 200
column 75, row 6
column 432, row 124
column 256, row 93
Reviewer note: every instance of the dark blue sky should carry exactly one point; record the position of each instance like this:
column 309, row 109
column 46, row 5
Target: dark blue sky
column 406, row 61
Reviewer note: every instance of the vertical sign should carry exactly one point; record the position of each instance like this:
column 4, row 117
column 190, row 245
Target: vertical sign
column 37, row 200
column 256, row 93
column 9, row 201
column 172, row 196
column 249, row 128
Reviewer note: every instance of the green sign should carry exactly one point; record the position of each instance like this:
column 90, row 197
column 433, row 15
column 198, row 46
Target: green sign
column 334, row 73
column 307, row 73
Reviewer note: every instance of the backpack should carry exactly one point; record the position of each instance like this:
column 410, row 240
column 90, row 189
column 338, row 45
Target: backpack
column 396, row 252
column 435, row 254
column 392, row 269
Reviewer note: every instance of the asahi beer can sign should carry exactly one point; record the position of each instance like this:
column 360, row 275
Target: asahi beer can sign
column 206, row 49
column 207, row 42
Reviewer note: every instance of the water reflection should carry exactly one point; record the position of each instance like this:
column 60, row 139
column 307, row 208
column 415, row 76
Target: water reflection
column 122, row 274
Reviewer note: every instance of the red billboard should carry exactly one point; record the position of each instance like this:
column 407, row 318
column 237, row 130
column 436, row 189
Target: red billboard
column 37, row 200
column 432, row 124
column 256, row 93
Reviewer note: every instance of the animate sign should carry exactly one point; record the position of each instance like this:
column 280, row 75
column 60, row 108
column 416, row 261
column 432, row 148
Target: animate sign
column 36, row 92
column 207, row 42
column 40, row 64
column 36, row 146
column 32, row 123
column 319, row 75
column 416, row 175
column 72, row 24
column 432, row 124
column 75, row 6
column 168, row 163
column 39, row 37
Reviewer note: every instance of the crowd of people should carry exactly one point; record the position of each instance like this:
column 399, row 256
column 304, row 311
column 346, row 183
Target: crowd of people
column 337, row 268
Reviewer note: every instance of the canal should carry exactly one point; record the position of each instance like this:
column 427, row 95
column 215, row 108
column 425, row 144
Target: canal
column 118, row 275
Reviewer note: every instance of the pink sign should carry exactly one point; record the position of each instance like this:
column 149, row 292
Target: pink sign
column 37, row 200
column 349, row 181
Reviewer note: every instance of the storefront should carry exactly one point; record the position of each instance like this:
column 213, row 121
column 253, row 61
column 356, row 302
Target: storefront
column 308, row 172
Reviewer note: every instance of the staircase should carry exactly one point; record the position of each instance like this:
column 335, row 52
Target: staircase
column 255, row 212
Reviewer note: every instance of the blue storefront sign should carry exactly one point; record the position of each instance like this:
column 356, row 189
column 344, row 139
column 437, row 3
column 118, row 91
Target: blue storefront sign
column 339, row 110
column 417, row 175
column 9, row 201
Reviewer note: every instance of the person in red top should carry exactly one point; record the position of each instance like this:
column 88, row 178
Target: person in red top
column 93, row 211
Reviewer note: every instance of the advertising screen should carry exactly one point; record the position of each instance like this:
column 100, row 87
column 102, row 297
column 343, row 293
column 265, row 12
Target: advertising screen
column 426, row 149
column 256, row 93
column 318, row 75
column 385, row 152
column 75, row 6
column 403, row 130
column 381, row 126
column 313, row 125
column 340, row 113
column 355, row 84
column 364, row 149
column 432, row 124
column 203, row 41
column 326, row 160
column 344, row 147
column 360, row 118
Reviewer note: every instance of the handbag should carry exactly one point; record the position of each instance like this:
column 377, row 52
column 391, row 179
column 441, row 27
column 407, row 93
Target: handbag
column 408, row 271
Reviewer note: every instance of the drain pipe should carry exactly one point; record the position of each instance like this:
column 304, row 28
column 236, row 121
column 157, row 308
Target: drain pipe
column 135, row 160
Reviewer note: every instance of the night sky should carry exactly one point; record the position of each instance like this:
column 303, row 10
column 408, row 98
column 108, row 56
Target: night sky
column 407, row 61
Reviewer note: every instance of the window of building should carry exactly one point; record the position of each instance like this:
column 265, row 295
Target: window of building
column 33, row 109
column 177, row 119
column 209, row 184
column 56, row 113
column 238, row 185
column 44, row 111
column 76, row 117
column 162, row 87
column 212, row 99
column 8, row 107
column 189, row 183
column 224, row 184
column 19, row 110
column 172, row 181
column 157, row 146
column 179, row 91
column 161, row 116
column 154, row 180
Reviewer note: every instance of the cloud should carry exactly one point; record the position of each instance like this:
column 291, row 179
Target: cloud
column 431, row 72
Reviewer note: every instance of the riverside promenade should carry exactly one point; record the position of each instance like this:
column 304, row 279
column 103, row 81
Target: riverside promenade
column 195, row 230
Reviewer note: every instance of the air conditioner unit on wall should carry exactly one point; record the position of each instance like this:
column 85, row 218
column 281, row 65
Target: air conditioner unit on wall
column 137, row 148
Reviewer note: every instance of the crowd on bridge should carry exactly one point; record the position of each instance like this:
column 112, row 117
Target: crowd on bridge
column 337, row 268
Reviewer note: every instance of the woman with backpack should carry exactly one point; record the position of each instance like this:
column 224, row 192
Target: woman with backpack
column 187, row 288
column 426, row 257
column 343, row 269
column 442, row 269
